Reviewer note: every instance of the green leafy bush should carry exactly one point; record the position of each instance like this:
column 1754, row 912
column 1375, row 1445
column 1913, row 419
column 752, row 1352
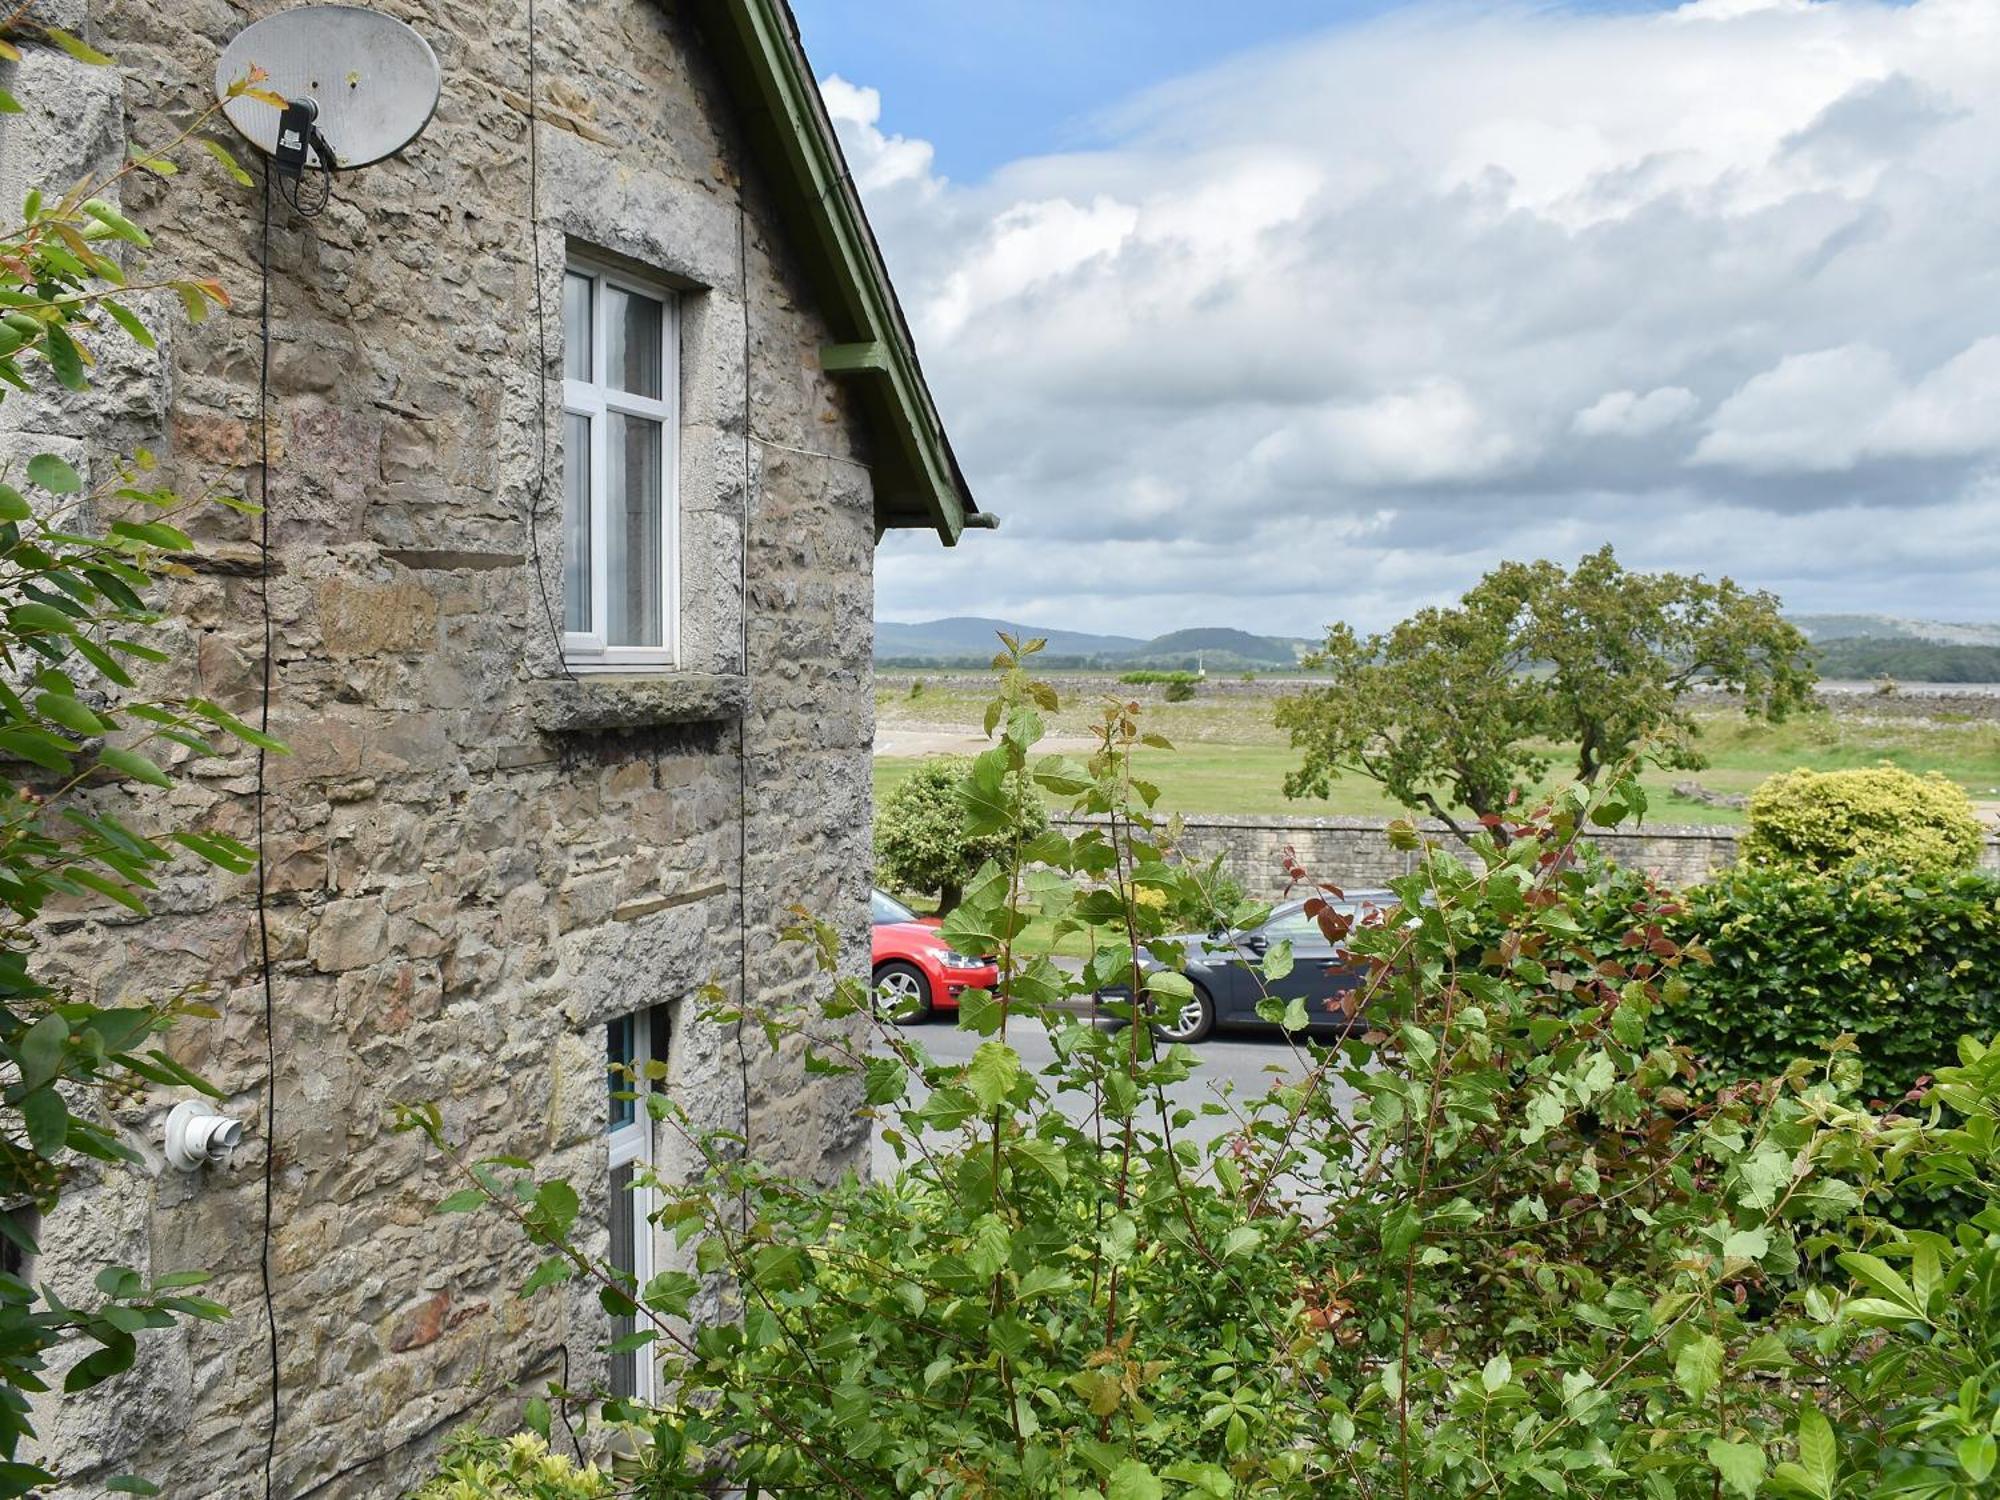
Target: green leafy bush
column 1882, row 816
column 1148, row 675
column 1483, row 1247
column 922, row 842
column 1179, row 692
column 1906, row 964
column 79, row 569
column 476, row 1467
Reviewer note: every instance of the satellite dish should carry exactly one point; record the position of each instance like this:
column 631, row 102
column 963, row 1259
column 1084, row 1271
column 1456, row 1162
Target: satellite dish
column 374, row 80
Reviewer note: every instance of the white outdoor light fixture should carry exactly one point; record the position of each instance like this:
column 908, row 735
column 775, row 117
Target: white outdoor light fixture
column 198, row 1136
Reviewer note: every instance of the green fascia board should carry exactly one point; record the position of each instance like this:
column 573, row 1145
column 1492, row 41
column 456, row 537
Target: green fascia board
column 871, row 357
column 917, row 478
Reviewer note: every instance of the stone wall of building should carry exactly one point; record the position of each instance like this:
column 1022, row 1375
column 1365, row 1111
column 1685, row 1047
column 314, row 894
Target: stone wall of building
column 1354, row 852
column 470, row 874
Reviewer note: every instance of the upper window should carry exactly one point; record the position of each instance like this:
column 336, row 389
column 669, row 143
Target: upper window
column 621, row 562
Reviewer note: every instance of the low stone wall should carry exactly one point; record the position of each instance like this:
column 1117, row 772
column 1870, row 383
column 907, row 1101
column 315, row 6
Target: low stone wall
column 1939, row 701
column 1355, row 851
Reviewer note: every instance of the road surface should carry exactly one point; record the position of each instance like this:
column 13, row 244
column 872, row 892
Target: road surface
column 1250, row 1062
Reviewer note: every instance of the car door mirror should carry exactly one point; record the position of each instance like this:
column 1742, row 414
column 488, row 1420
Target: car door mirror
column 1256, row 942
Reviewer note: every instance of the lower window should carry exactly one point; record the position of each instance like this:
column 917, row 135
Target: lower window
column 631, row 1043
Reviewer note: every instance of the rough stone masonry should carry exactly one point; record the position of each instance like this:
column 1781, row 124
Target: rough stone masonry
column 474, row 862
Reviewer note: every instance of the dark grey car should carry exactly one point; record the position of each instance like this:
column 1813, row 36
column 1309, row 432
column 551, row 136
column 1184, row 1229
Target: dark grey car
column 1226, row 969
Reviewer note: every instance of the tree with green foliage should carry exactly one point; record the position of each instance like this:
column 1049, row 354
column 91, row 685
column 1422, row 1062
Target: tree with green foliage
column 1455, row 710
column 1881, row 817
column 923, row 842
column 79, row 565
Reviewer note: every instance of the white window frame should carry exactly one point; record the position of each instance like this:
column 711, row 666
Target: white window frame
column 631, row 1144
column 589, row 651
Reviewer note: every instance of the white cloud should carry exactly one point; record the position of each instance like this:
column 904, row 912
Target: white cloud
column 1627, row 414
column 1330, row 328
column 1831, row 410
column 888, row 161
column 1810, row 414
column 1432, row 433
column 1952, row 412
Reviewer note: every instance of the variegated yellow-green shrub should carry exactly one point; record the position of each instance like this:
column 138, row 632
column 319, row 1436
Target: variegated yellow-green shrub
column 1882, row 817
column 513, row 1468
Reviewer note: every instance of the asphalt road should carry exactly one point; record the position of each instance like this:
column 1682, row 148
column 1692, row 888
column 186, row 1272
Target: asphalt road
column 1246, row 1063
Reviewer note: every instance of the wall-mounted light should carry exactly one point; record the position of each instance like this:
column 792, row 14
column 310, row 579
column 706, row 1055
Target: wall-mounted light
column 197, row 1136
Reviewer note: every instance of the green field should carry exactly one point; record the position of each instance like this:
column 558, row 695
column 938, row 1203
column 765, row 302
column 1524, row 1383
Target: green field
column 1230, row 758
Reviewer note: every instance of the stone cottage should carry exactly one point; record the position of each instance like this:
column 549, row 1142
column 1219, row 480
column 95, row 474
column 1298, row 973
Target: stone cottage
column 525, row 817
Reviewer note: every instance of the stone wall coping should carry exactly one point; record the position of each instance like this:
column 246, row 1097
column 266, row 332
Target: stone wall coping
column 594, row 702
column 1356, row 823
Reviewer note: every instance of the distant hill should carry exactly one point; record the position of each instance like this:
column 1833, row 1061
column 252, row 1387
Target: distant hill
column 966, row 636
column 1819, row 628
column 1847, row 646
column 1239, row 644
column 965, row 640
column 1906, row 660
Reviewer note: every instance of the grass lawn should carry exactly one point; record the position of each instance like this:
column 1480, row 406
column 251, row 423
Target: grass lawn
column 1230, row 758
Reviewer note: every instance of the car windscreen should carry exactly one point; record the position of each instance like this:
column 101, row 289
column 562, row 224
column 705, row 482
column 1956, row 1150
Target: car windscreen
column 885, row 909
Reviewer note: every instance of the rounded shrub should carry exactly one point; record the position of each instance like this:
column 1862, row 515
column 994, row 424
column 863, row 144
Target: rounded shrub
column 920, row 838
column 1884, row 818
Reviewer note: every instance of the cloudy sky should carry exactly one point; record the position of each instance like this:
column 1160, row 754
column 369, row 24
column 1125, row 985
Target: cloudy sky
column 1320, row 313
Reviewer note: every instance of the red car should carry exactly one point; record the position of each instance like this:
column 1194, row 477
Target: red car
column 916, row 970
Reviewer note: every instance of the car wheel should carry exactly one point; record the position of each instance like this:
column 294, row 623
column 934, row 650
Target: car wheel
column 902, row 993
column 1193, row 1022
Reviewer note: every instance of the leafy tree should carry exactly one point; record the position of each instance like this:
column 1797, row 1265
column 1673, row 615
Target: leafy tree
column 1456, row 709
column 922, row 838
column 78, row 564
column 1881, row 817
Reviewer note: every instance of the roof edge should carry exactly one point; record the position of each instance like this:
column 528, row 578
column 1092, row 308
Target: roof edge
column 759, row 47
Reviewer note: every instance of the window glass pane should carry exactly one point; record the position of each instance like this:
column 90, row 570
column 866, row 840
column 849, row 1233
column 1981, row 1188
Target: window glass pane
column 624, row 1257
column 632, row 341
column 618, row 1045
column 633, row 613
column 576, row 326
column 1293, row 926
column 576, row 521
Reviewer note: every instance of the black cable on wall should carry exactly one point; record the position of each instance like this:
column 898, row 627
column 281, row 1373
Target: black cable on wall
column 539, row 492
column 263, row 879
column 743, row 718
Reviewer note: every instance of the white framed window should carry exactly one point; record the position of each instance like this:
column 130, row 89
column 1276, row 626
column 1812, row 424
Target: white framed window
column 620, row 458
column 630, row 1044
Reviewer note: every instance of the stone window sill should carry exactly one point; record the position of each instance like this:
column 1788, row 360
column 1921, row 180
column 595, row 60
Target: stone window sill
column 592, row 704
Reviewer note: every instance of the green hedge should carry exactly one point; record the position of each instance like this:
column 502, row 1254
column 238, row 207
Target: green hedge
column 1907, row 963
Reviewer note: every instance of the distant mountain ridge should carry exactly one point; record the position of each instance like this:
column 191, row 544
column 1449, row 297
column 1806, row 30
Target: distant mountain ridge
column 971, row 639
column 1820, row 628
column 1848, row 645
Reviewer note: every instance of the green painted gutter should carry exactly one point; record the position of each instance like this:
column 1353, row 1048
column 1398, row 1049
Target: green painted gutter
column 917, row 479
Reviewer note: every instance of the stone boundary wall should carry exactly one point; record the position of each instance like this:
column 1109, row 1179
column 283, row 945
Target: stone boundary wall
column 1916, row 700
column 1355, row 851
